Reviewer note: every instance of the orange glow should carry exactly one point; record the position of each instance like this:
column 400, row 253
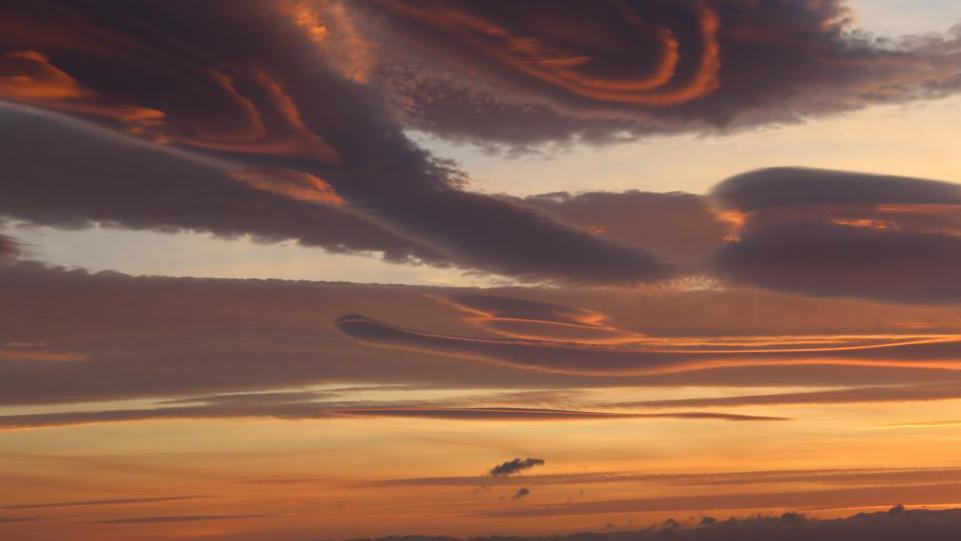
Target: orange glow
column 735, row 221
column 30, row 77
column 288, row 183
column 38, row 354
column 535, row 58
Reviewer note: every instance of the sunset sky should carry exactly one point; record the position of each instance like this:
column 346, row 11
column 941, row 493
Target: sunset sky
column 316, row 269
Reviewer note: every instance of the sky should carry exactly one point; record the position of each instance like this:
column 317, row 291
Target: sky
column 314, row 269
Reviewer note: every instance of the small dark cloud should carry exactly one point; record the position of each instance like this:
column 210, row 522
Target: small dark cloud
column 521, row 493
column 514, row 466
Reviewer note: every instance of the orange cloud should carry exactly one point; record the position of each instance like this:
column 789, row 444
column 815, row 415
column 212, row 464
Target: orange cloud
column 541, row 59
column 29, row 76
column 289, row 183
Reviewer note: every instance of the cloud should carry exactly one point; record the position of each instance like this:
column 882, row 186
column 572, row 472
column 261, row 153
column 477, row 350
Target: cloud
column 241, row 142
column 17, row 520
column 895, row 524
column 922, row 494
column 836, row 260
column 296, row 407
column 793, row 186
column 904, row 393
column 296, row 134
column 111, row 501
column 174, row 518
column 646, row 355
column 169, row 338
column 521, row 493
column 547, row 71
column 69, row 174
column 835, row 233
column 830, row 477
column 679, row 227
column 514, row 466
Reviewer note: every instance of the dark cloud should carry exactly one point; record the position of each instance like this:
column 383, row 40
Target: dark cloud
column 839, row 260
column 524, row 74
column 286, row 122
column 64, row 173
column 514, row 466
column 794, row 186
column 836, row 233
column 111, row 501
column 521, row 493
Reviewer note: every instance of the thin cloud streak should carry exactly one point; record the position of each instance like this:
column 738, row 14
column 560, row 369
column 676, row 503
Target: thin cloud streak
column 927, row 494
column 107, row 502
column 317, row 411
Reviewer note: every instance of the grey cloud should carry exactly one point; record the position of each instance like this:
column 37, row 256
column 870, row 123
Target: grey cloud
column 792, row 186
column 260, row 108
column 837, row 233
column 66, row 173
column 836, row 260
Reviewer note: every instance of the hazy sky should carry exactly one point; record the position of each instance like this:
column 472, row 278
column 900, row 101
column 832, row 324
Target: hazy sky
column 338, row 269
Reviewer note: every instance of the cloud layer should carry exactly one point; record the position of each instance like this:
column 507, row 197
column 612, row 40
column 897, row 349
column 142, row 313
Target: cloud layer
column 283, row 121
